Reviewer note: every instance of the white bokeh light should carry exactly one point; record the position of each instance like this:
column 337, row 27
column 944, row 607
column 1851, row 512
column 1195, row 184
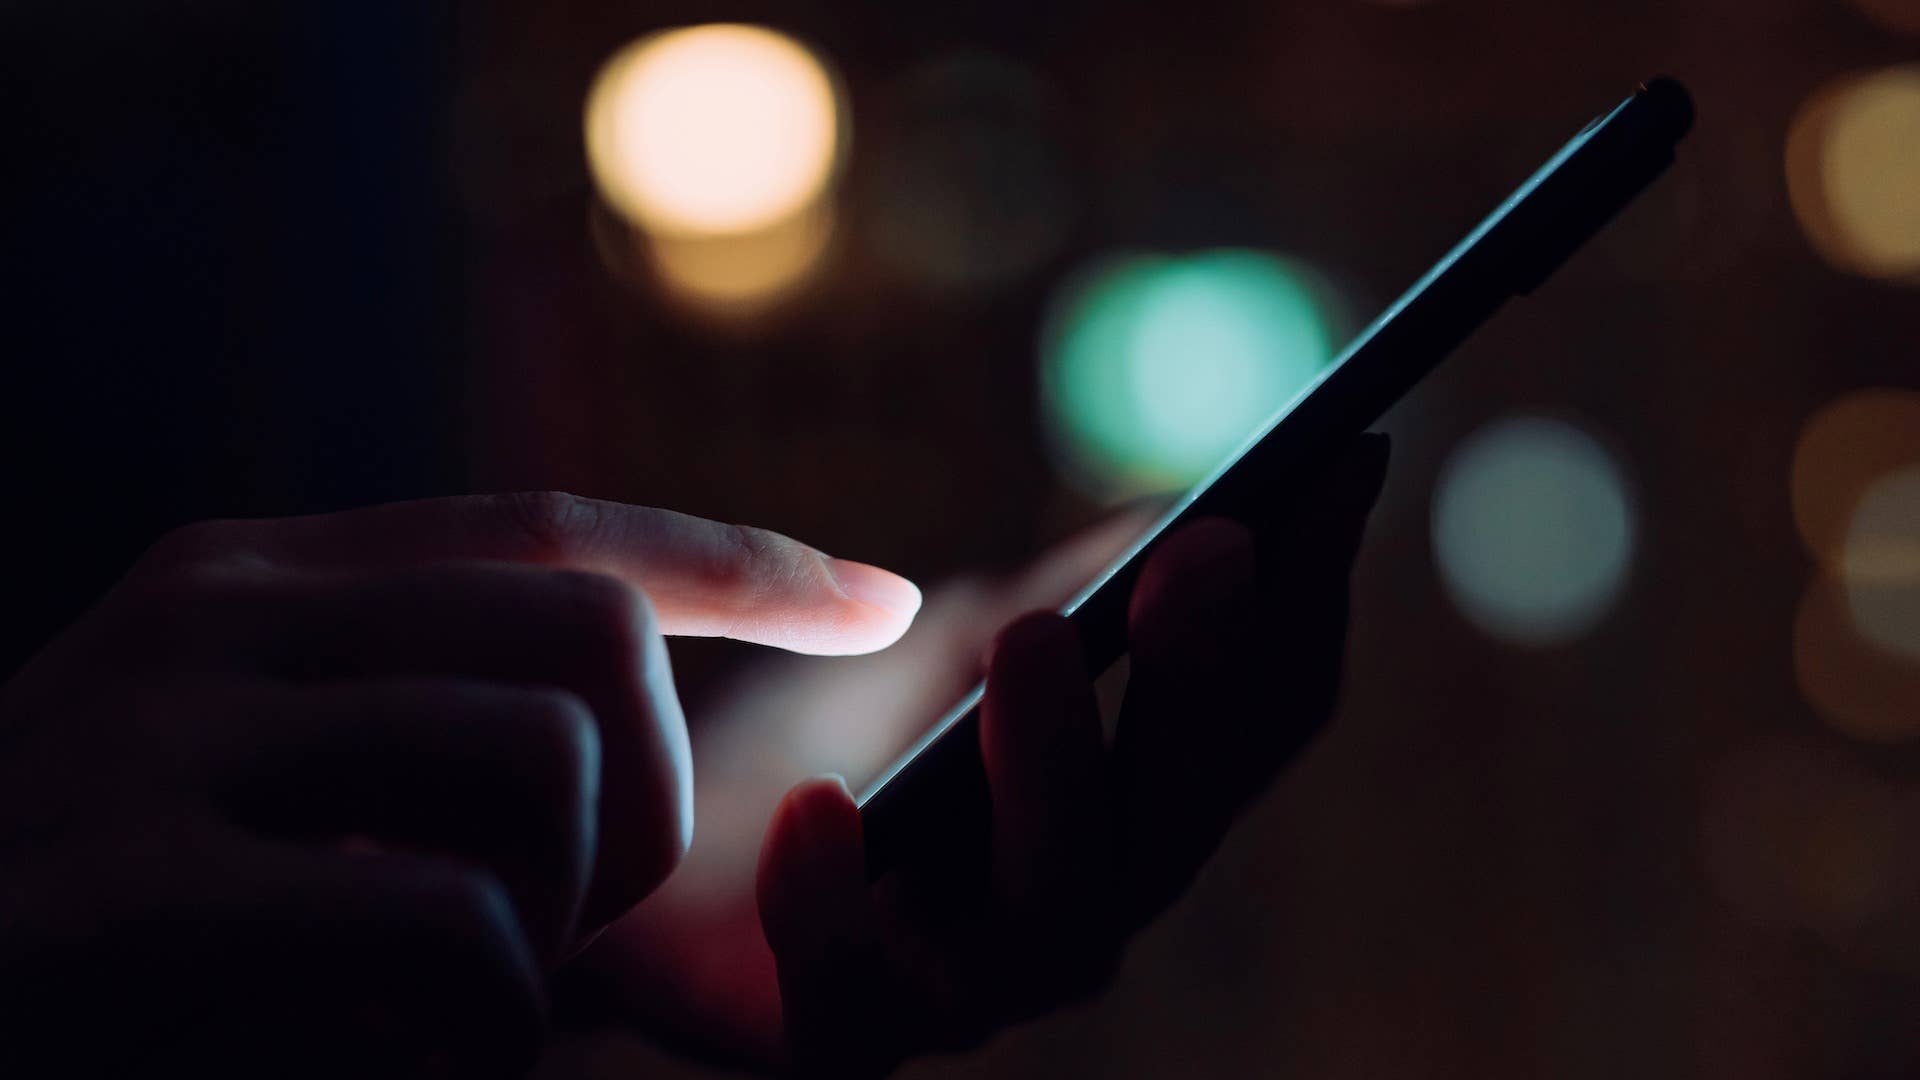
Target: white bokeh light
column 1881, row 563
column 1533, row 529
column 714, row 129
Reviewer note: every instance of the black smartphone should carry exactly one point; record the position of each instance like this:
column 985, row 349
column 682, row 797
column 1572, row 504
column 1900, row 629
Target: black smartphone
column 932, row 801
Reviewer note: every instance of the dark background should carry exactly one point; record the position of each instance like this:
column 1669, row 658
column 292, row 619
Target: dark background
column 267, row 259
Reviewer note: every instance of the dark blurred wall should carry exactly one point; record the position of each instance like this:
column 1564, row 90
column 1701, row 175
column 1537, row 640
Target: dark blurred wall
column 229, row 284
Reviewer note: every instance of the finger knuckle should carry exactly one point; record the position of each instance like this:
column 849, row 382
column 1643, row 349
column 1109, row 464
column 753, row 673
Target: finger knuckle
column 614, row 618
column 195, row 544
column 468, row 944
column 759, row 563
column 471, row 903
column 550, row 523
column 184, row 602
column 564, row 735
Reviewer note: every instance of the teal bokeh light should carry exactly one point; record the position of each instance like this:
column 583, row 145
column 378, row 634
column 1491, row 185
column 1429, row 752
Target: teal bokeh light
column 1533, row 530
column 1155, row 367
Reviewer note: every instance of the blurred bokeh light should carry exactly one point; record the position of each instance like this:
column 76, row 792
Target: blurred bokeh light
column 1881, row 563
column 1856, row 500
column 1801, row 833
column 1533, row 529
column 972, row 189
column 718, row 129
column 1855, row 491
column 733, row 275
column 1853, row 171
column 1863, row 690
column 1844, row 448
column 1154, row 368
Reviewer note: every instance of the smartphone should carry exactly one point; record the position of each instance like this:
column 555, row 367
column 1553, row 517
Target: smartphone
column 931, row 803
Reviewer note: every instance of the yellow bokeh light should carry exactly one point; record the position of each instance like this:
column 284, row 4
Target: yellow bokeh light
column 729, row 276
column 1845, row 447
column 1797, row 831
column 748, row 271
column 1862, row 690
column 1856, row 501
column 1875, row 553
column 1881, row 565
column 1853, row 173
column 712, row 130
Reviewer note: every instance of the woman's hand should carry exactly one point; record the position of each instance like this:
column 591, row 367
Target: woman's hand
column 1236, row 639
column 333, row 787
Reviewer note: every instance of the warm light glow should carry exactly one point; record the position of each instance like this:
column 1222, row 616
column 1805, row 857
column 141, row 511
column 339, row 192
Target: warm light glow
column 1532, row 530
column 1853, row 171
column 748, row 271
column 712, row 130
column 1799, row 832
column 1845, row 447
column 728, row 277
column 1881, row 564
column 1856, row 501
column 1866, row 692
column 1154, row 368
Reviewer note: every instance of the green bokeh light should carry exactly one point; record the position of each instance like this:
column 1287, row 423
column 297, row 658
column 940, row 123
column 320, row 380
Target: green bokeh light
column 1533, row 529
column 1154, row 367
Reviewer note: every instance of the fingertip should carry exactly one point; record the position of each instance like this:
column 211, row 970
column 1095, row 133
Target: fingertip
column 1200, row 571
column 821, row 924
column 839, row 781
column 813, row 859
column 1036, row 685
column 883, row 589
column 713, row 580
column 1044, row 753
column 1044, row 640
column 818, row 814
column 874, row 609
column 1219, row 544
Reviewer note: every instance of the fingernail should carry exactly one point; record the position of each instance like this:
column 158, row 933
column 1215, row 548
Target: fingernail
column 837, row 779
column 871, row 585
column 821, row 813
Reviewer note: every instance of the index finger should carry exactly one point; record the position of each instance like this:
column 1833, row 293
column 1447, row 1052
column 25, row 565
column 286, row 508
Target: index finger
column 705, row 578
